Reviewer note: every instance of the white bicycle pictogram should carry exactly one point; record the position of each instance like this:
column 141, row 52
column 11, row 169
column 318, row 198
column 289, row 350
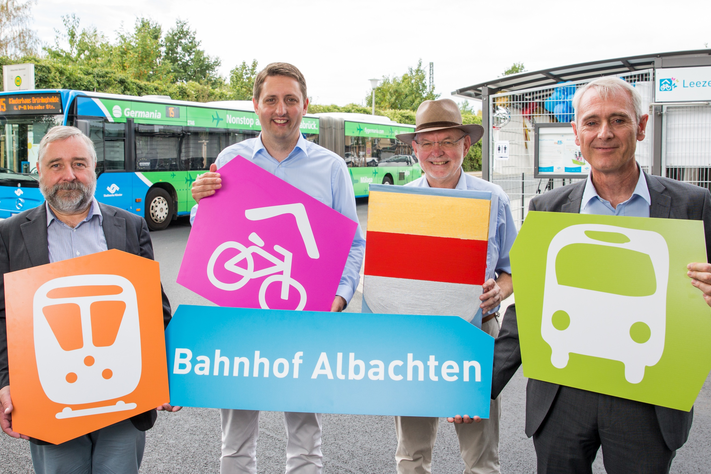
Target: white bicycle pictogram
column 242, row 263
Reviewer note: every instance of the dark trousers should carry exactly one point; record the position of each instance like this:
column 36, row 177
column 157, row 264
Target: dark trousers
column 116, row 449
column 579, row 422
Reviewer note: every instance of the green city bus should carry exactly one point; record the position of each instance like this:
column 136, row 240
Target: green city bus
column 368, row 145
column 150, row 149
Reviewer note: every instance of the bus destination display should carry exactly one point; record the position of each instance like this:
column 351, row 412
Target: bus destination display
column 31, row 104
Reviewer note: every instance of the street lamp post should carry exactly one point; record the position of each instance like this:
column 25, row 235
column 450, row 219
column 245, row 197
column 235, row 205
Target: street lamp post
column 373, row 85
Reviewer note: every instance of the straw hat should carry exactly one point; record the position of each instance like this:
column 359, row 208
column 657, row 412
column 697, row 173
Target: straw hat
column 442, row 114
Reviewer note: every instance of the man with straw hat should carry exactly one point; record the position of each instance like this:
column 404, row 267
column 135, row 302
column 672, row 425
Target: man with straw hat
column 441, row 142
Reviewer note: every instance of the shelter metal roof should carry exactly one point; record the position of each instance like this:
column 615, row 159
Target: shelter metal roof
column 582, row 71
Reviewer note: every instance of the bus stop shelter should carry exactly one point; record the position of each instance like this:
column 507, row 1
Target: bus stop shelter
column 526, row 119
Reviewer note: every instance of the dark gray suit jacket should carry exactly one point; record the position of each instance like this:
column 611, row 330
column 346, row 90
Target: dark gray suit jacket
column 23, row 244
column 671, row 200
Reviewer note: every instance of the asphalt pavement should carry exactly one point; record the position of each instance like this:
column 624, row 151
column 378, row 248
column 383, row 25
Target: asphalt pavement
column 189, row 441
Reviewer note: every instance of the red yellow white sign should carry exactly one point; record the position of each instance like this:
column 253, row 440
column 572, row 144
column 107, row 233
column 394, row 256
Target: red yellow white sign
column 86, row 347
column 423, row 247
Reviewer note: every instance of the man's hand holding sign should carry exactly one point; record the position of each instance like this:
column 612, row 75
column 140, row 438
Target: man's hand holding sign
column 700, row 274
column 6, row 414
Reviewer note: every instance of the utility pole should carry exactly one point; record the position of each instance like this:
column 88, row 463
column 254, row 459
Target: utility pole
column 373, row 85
column 431, row 76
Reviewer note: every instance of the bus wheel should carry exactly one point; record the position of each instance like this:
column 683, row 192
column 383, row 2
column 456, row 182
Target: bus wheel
column 387, row 180
column 159, row 209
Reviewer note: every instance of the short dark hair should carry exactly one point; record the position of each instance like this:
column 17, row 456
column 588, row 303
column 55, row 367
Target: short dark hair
column 278, row 69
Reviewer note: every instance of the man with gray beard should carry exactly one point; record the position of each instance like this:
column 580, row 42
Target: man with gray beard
column 69, row 203
column 71, row 224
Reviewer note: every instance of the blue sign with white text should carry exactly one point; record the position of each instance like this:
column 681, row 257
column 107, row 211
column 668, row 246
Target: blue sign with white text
column 308, row 361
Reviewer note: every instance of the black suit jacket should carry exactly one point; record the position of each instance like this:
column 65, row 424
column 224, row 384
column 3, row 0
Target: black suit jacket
column 670, row 199
column 23, row 244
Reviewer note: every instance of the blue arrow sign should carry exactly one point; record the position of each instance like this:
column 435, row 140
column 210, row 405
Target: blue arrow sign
column 308, row 361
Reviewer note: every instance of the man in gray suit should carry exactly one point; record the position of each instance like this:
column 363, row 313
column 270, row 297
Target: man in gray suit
column 72, row 223
column 569, row 425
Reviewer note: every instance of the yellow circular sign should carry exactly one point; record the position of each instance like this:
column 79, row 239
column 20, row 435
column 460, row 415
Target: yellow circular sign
column 18, row 81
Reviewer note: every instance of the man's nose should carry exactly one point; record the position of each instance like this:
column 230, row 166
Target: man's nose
column 281, row 108
column 68, row 174
column 437, row 149
column 605, row 131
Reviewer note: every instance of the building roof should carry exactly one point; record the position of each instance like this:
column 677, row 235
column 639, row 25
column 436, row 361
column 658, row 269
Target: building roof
column 590, row 70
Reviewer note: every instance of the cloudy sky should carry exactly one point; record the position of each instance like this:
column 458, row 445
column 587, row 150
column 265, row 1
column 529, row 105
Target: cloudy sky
column 339, row 45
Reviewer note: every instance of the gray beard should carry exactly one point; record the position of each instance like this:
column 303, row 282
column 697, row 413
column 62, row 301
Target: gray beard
column 75, row 202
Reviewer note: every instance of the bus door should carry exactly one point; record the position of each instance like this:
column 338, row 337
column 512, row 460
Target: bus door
column 19, row 145
column 114, row 183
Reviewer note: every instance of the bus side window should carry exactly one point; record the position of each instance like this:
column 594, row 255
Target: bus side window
column 200, row 148
column 157, row 147
column 114, row 146
column 109, row 143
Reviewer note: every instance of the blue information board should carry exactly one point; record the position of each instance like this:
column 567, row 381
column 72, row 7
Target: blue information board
column 308, row 361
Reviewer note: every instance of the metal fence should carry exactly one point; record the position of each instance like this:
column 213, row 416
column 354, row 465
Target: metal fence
column 686, row 143
column 513, row 116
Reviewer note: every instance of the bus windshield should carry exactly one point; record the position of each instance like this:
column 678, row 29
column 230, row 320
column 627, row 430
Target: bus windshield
column 20, row 138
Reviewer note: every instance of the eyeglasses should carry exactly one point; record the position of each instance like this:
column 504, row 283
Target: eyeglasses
column 444, row 144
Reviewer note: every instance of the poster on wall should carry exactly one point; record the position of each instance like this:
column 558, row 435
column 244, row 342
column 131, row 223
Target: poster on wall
column 555, row 154
column 501, row 149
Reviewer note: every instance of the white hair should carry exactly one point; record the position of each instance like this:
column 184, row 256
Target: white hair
column 606, row 86
column 63, row 132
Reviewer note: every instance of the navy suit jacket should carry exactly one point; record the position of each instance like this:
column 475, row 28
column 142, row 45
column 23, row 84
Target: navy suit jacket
column 23, row 244
column 671, row 200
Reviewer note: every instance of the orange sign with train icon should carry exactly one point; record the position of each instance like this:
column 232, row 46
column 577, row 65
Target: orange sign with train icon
column 86, row 347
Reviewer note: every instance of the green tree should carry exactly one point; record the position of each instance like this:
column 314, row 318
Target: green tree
column 406, row 92
column 86, row 47
column 466, row 107
column 16, row 37
column 187, row 61
column 472, row 161
column 140, row 54
column 350, row 108
column 514, row 69
column 242, row 80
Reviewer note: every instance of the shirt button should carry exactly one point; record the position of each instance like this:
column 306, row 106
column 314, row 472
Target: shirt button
column 78, row 253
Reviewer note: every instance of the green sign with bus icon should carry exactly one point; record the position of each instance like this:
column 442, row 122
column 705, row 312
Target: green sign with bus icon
column 604, row 304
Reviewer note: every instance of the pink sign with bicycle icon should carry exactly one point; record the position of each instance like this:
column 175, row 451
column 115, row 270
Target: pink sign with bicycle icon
column 261, row 243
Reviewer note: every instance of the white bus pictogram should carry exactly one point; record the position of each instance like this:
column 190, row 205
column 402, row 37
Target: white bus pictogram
column 87, row 342
column 626, row 323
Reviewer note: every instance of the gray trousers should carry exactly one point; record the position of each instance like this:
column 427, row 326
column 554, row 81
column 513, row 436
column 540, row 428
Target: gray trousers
column 240, row 430
column 116, row 449
column 478, row 442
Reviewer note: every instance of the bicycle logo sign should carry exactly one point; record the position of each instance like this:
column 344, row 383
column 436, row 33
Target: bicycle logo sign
column 241, row 266
column 254, row 244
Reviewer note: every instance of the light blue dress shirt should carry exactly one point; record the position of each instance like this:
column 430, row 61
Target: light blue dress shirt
column 636, row 206
column 319, row 173
column 64, row 242
column 501, row 237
